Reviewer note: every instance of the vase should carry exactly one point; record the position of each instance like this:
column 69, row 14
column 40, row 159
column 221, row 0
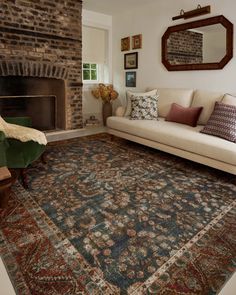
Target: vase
column 106, row 111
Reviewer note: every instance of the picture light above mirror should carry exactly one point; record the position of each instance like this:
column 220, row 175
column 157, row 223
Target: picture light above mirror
column 205, row 44
column 193, row 13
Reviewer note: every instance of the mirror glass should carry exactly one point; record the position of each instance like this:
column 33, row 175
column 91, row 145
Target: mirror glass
column 205, row 44
column 196, row 46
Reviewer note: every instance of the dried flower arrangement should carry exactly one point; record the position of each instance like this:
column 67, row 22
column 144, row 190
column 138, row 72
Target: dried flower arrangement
column 105, row 92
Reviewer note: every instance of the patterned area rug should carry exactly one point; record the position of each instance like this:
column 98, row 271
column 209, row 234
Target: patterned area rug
column 106, row 217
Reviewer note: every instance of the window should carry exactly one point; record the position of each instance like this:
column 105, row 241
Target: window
column 90, row 72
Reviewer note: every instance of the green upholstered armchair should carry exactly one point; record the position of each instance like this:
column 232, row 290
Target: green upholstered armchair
column 17, row 154
column 3, row 147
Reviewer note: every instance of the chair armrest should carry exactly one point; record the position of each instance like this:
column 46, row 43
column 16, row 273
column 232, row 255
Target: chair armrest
column 2, row 136
column 120, row 111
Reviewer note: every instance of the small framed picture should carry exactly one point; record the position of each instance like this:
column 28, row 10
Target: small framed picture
column 130, row 79
column 137, row 41
column 131, row 61
column 125, row 44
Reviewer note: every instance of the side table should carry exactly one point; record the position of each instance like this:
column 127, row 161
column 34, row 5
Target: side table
column 5, row 189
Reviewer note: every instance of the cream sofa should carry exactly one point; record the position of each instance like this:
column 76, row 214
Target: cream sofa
column 179, row 139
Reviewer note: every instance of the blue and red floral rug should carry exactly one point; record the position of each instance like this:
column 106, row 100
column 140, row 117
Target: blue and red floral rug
column 106, row 217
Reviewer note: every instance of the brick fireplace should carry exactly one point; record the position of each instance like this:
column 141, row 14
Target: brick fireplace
column 42, row 39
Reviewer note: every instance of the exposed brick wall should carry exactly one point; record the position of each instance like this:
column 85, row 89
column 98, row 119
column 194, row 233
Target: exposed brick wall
column 185, row 47
column 43, row 38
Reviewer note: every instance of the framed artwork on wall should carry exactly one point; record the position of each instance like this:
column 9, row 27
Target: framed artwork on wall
column 125, row 44
column 137, row 41
column 131, row 61
column 130, row 79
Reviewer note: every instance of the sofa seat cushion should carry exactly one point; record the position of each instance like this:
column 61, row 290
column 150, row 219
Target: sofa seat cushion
column 177, row 135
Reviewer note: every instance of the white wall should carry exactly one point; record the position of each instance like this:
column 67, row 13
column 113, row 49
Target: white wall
column 152, row 21
column 92, row 106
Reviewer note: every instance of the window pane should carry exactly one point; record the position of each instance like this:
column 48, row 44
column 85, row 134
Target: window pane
column 93, row 66
column 86, row 75
column 86, row 66
column 93, row 75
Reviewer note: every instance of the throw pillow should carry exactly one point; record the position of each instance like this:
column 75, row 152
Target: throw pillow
column 188, row 116
column 229, row 99
column 128, row 99
column 144, row 107
column 222, row 122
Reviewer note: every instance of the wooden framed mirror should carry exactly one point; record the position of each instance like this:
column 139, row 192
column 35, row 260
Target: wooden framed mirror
column 205, row 44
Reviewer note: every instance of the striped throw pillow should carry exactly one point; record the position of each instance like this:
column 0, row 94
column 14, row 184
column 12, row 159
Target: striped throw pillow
column 222, row 122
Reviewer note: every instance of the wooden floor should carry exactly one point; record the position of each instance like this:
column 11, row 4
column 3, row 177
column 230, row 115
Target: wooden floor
column 5, row 283
column 230, row 287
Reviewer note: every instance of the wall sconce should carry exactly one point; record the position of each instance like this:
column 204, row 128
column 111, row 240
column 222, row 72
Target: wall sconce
column 193, row 13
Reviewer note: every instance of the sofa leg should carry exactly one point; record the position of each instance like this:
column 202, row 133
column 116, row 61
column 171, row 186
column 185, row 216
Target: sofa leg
column 43, row 158
column 23, row 176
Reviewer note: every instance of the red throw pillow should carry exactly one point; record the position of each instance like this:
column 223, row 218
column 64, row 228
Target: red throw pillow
column 188, row 116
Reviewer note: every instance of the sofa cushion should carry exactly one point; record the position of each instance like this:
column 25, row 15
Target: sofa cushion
column 205, row 99
column 179, row 114
column 128, row 99
column 229, row 99
column 144, row 107
column 167, row 96
column 179, row 136
column 222, row 122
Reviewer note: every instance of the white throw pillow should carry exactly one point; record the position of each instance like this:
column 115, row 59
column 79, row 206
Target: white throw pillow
column 229, row 99
column 128, row 99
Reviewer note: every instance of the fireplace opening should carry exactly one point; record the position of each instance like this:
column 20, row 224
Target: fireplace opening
column 42, row 100
column 39, row 109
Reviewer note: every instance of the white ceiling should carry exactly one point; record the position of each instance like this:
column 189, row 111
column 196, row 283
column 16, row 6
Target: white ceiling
column 114, row 6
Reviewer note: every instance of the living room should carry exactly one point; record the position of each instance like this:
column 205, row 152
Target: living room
column 107, row 198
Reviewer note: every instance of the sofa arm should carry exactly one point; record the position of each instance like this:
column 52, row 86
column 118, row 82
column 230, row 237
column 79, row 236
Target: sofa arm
column 120, row 111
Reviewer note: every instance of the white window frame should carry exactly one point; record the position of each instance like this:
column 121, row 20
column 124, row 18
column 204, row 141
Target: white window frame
column 97, row 70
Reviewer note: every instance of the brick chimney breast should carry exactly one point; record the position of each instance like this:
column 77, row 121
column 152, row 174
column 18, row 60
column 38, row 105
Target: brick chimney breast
column 40, row 38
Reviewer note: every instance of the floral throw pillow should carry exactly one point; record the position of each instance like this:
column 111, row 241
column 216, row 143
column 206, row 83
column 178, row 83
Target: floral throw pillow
column 144, row 107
